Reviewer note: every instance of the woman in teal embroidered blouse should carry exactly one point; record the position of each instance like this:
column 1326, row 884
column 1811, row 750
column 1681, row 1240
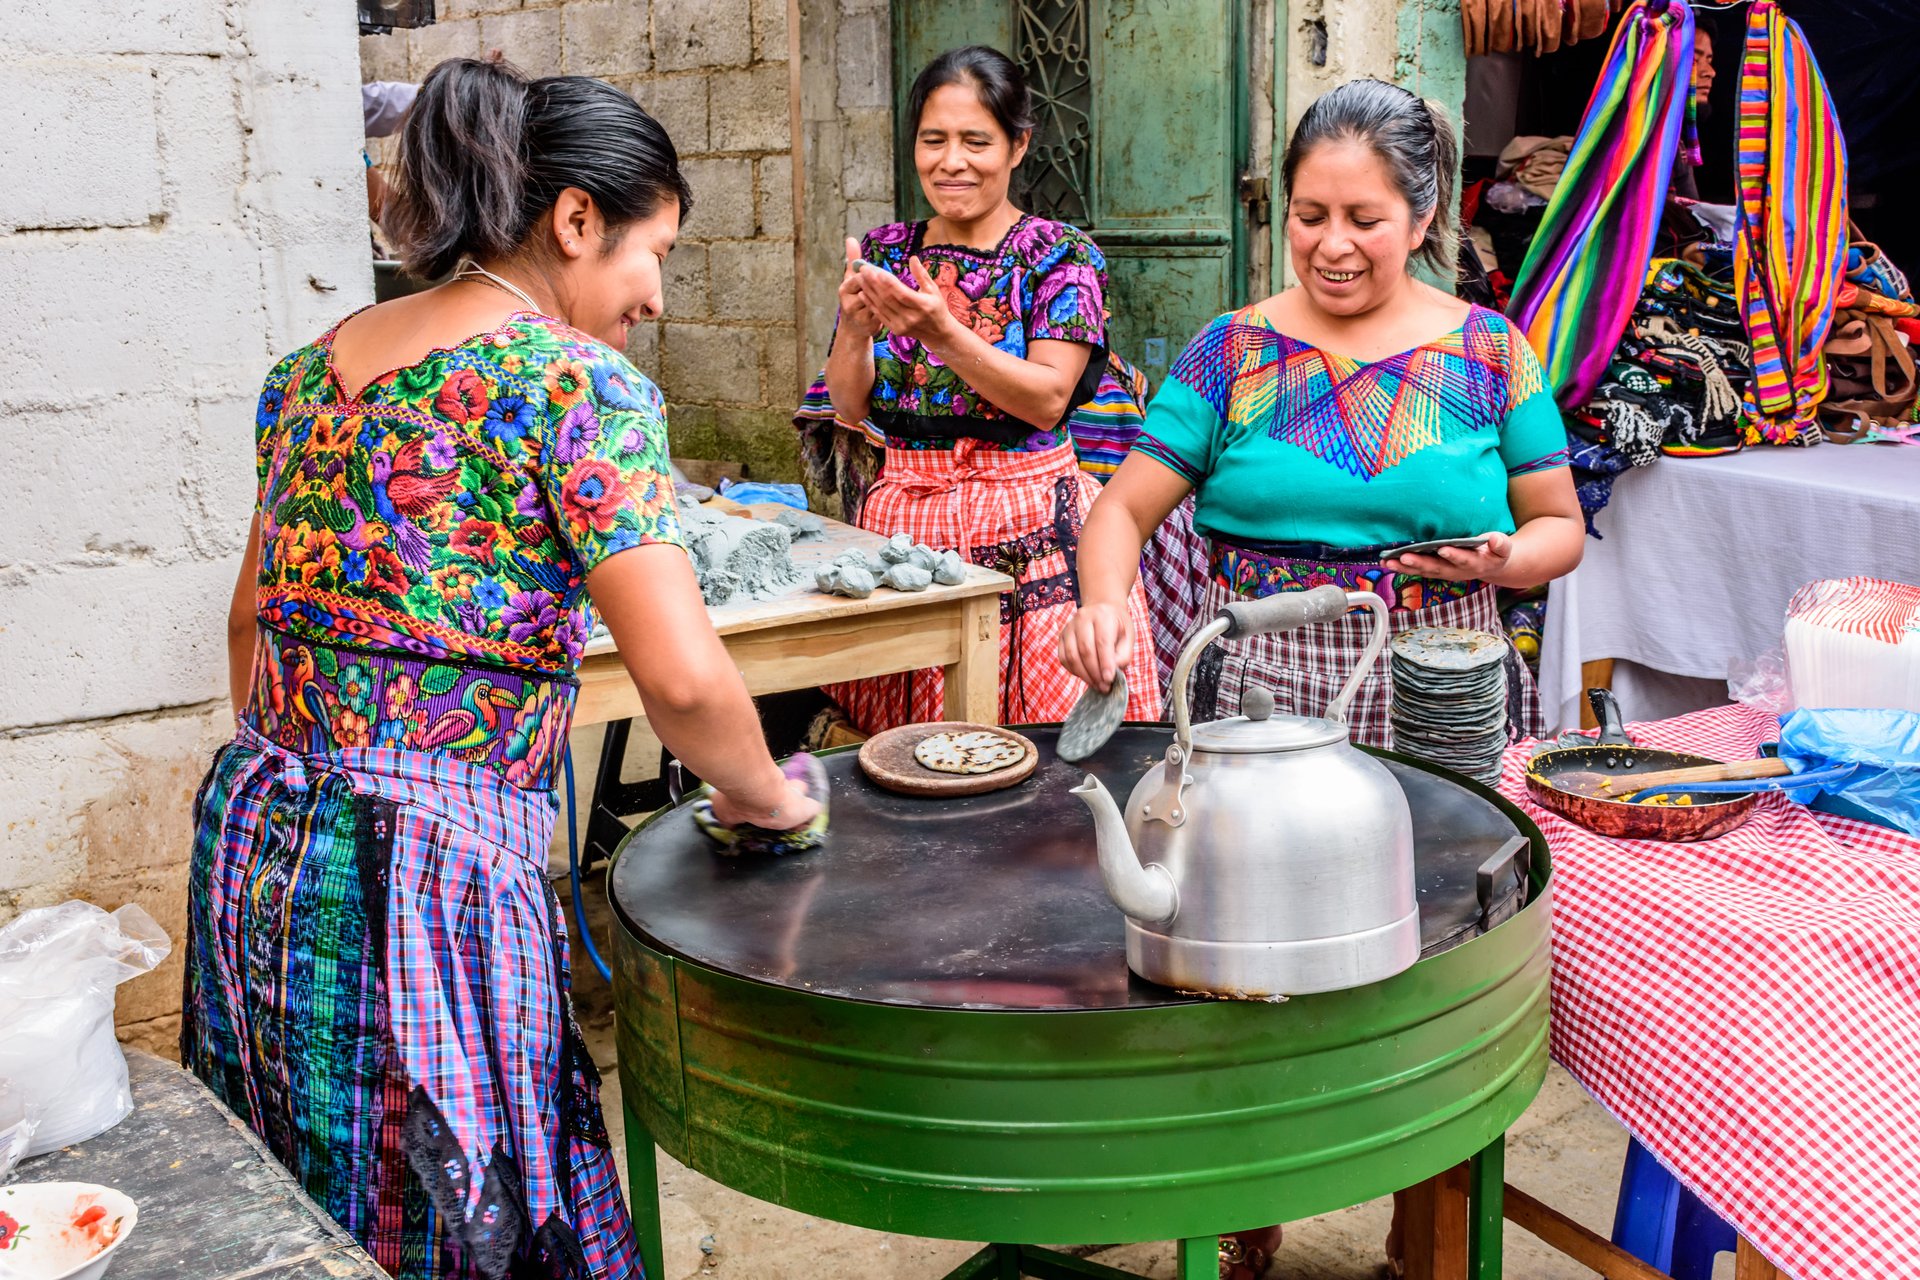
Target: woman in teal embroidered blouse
column 1358, row 411
column 1320, row 428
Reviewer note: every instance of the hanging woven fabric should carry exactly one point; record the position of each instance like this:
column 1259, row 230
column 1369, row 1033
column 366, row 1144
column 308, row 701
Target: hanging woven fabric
column 1583, row 272
column 1790, row 249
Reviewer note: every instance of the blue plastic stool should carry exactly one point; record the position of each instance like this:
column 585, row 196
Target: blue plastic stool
column 1663, row 1224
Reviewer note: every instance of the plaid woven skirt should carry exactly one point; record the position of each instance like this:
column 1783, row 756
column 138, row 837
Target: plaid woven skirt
column 1305, row 668
column 1019, row 513
column 376, row 982
column 1175, row 569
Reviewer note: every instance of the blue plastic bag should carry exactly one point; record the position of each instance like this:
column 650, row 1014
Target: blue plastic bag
column 1885, row 745
column 748, row 492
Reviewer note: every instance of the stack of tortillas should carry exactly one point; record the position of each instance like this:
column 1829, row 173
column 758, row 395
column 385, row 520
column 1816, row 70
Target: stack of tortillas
column 1531, row 26
column 947, row 758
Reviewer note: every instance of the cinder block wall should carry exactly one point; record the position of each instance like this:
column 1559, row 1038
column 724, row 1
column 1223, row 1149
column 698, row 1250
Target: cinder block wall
column 183, row 204
column 714, row 72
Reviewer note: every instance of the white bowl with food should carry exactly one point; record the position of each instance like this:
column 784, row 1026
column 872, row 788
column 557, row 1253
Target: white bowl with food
column 61, row 1230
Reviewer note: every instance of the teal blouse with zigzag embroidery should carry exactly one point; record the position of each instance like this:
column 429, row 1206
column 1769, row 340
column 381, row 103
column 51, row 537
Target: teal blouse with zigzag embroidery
column 1286, row 443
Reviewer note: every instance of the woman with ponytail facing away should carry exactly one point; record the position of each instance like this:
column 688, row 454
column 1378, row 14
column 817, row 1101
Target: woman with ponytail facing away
column 449, row 485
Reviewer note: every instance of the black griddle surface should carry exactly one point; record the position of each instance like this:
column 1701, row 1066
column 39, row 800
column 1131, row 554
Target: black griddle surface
column 979, row 902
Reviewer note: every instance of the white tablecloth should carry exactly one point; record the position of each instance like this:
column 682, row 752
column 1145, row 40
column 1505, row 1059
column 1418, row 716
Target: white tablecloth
column 1698, row 557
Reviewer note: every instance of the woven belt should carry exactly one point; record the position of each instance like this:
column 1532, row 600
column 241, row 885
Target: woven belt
column 1014, row 556
column 316, row 698
column 1251, row 572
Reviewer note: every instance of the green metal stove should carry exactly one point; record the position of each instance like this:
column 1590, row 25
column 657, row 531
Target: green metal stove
column 929, row 1027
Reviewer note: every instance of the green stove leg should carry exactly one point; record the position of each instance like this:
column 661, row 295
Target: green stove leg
column 643, row 1185
column 984, row 1265
column 1044, row 1264
column 1486, row 1199
column 1009, row 1257
column 1200, row 1258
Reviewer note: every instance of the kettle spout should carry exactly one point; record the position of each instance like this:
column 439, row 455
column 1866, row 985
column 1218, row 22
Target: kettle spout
column 1146, row 894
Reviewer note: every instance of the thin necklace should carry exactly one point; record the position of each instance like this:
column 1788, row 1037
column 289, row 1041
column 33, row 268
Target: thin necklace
column 468, row 269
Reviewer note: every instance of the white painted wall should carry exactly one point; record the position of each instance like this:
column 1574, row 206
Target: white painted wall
column 183, row 203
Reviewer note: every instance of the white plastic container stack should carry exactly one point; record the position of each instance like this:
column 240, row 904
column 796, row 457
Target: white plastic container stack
column 1855, row 642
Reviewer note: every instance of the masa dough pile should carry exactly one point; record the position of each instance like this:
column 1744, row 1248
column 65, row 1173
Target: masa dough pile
column 737, row 558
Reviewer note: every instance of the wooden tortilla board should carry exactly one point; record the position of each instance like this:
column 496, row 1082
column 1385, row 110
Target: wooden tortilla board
column 887, row 758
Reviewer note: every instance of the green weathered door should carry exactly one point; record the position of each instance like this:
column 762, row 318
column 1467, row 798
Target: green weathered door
column 1142, row 140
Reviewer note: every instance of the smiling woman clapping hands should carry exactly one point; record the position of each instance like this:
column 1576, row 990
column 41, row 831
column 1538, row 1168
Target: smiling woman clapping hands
column 963, row 344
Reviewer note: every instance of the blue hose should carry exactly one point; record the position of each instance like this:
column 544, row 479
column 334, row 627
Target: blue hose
column 573, row 873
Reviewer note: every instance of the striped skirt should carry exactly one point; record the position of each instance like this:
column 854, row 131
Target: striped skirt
column 1305, row 668
column 1019, row 513
column 376, row 982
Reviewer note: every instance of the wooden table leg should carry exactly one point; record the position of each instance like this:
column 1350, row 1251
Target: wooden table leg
column 643, row 1189
column 973, row 681
column 1597, row 674
column 1749, row 1265
column 1484, row 1231
column 1435, row 1226
column 1588, row 1248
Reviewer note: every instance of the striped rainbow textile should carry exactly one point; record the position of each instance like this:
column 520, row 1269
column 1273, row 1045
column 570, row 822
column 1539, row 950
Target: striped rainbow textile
column 1790, row 253
column 1582, row 274
column 1105, row 427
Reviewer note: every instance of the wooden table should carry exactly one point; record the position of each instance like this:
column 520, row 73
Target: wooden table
column 214, row 1204
column 803, row 638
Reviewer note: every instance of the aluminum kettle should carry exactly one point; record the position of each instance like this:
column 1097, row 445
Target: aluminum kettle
column 1266, row 856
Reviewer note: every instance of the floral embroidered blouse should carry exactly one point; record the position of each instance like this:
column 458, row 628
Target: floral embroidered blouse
column 453, row 508
column 1045, row 279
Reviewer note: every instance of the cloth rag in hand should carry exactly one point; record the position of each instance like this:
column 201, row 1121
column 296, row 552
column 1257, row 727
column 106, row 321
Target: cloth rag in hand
column 750, row 839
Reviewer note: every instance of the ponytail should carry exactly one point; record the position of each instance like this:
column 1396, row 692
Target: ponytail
column 485, row 152
column 1441, row 249
column 462, row 168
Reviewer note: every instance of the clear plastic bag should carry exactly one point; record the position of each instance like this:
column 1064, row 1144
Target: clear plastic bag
column 61, row 1066
column 1765, row 683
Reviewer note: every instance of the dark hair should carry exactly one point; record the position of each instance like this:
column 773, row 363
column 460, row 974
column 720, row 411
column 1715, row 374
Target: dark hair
column 485, row 152
column 1413, row 137
column 996, row 78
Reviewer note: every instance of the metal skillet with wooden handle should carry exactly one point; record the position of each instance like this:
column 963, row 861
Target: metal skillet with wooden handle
column 1593, row 786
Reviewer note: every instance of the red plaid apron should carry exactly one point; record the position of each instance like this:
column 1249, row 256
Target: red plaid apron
column 1019, row 513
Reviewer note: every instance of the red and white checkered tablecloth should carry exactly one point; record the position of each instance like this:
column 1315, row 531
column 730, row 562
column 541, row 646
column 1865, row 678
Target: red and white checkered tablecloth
column 1749, row 1007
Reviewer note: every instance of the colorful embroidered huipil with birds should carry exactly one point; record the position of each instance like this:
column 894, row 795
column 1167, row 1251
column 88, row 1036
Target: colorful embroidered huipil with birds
column 376, row 977
column 442, row 523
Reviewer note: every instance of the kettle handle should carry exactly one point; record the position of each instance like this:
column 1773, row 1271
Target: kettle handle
column 1337, row 709
column 1286, row 610
column 1282, row 611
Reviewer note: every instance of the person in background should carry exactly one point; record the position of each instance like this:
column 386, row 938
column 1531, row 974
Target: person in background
column 1320, row 428
column 383, row 108
column 963, row 343
column 450, row 484
column 1686, row 183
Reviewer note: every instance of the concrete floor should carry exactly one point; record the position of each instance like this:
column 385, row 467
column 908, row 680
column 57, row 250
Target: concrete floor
column 1565, row 1151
